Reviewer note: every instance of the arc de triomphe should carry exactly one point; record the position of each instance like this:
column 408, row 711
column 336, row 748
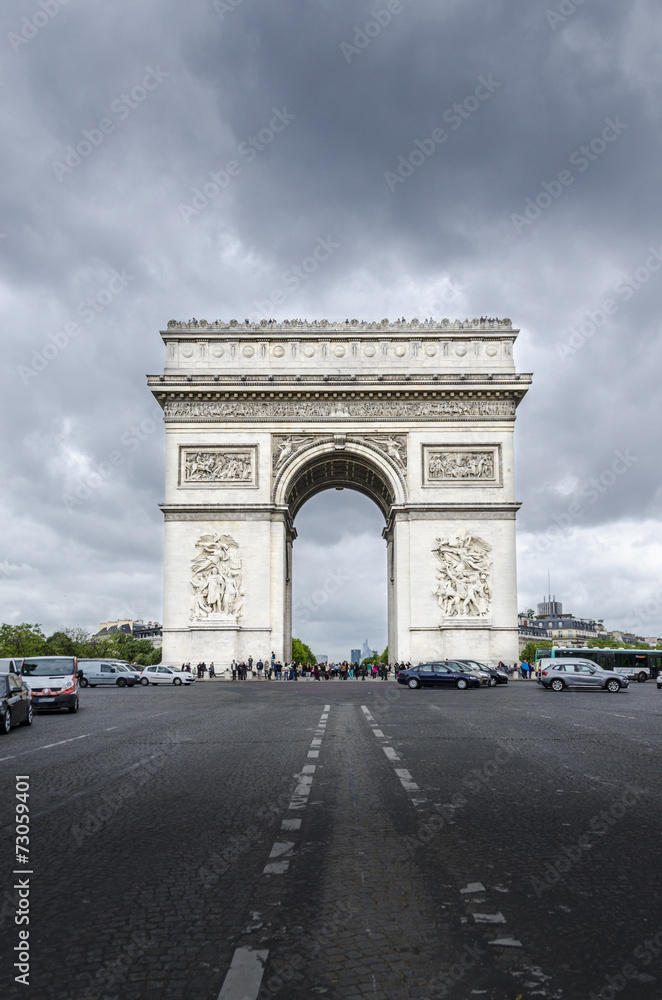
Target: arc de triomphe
column 417, row 416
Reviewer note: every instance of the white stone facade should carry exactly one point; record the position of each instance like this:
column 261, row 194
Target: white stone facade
column 419, row 417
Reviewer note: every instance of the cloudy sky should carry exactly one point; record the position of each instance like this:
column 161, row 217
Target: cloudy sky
column 542, row 204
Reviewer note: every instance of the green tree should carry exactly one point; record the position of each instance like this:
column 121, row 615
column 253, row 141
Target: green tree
column 302, row 653
column 384, row 657
column 136, row 650
column 60, row 644
column 21, row 640
column 529, row 651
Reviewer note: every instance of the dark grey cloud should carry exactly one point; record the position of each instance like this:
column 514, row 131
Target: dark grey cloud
column 547, row 87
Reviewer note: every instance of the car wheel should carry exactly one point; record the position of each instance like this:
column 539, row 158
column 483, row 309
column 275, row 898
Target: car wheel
column 121, row 683
column 28, row 721
column 413, row 682
column 613, row 686
column 557, row 684
column 144, row 682
column 642, row 677
column 460, row 683
column 74, row 708
column 5, row 723
column 177, row 681
column 84, row 682
column 493, row 682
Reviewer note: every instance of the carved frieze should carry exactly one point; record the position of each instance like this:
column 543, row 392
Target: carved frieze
column 218, row 467
column 457, row 465
column 351, row 408
column 216, row 579
column 463, row 575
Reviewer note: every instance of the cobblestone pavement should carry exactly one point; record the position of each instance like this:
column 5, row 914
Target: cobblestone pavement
column 339, row 840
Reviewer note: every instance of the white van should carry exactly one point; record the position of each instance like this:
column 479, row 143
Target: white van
column 53, row 681
column 105, row 672
column 10, row 664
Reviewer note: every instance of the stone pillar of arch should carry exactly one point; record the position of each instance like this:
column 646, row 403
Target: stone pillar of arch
column 259, row 418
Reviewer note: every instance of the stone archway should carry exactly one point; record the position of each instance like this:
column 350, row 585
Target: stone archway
column 313, row 464
column 419, row 417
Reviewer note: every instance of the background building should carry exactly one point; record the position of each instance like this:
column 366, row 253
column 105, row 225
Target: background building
column 133, row 627
column 355, row 656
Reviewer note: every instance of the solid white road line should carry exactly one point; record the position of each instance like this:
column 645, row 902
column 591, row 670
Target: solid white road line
column 244, row 976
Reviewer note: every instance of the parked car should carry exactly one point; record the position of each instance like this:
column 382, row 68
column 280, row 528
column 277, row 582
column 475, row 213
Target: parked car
column 446, row 673
column 496, row 676
column 15, row 702
column 165, row 675
column 105, row 672
column 567, row 673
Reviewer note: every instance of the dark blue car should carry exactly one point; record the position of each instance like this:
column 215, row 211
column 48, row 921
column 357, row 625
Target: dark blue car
column 444, row 673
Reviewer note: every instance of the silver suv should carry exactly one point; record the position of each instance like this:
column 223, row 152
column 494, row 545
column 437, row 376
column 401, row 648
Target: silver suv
column 567, row 673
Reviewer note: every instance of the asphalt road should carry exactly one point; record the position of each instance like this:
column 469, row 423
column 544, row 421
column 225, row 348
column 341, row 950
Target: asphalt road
column 338, row 840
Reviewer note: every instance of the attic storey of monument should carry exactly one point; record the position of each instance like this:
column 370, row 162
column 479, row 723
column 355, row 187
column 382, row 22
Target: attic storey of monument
column 418, row 416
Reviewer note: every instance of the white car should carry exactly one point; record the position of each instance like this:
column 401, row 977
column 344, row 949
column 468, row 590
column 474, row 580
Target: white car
column 165, row 675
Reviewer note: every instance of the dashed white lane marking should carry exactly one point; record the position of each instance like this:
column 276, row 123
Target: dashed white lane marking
column 327, row 708
column 406, row 779
column 290, row 824
column 390, row 753
column 506, row 943
column 473, row 888
column 316, row 743
column 279, row 850
column 48, row 746
column 379, row 733
column 489, row 918
column 244, row 976
column 313, row 753
column 110, row 728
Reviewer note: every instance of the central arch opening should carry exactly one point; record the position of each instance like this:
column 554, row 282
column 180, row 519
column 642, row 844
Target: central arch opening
column 340, row 471
column 339, row 574
column 340, row 502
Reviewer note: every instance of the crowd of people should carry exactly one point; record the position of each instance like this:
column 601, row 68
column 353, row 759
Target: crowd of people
column 272, row 669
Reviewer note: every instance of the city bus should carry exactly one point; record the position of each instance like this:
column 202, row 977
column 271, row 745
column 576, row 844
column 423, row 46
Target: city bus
column 637, row 664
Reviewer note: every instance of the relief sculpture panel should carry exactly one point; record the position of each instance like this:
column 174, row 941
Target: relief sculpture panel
column 218, row 466
column 216, row 579
column 463, row 575
column 450, row 465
